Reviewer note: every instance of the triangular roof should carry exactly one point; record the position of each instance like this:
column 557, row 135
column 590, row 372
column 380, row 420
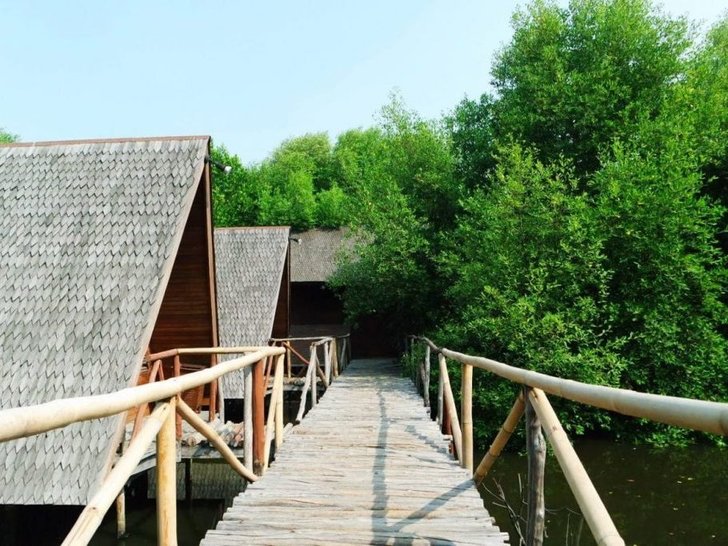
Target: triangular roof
column 249, row 265
column 89, row 231
column 315, row 257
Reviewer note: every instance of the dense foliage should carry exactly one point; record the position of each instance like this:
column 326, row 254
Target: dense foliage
column 569, row 222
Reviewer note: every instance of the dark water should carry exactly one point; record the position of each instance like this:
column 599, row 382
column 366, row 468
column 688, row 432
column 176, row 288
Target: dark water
column 655, row 496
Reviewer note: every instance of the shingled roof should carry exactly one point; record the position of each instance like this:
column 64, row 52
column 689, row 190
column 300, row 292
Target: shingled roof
column 89, row 232
column 316, row 256
column 249, row 266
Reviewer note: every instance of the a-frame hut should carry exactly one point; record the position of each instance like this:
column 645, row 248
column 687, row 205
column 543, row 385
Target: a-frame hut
column 106, row 251
column 253, row 290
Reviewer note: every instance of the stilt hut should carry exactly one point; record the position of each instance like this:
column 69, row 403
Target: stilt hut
column 106, row 252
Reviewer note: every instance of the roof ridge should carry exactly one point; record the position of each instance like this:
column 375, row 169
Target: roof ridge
column 103, row 141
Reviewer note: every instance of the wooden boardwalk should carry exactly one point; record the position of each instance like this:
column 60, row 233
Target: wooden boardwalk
column 366, row 466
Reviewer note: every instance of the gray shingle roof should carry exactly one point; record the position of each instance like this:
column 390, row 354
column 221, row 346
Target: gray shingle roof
column 249, row 265
column 315, row 259
column 88, row 234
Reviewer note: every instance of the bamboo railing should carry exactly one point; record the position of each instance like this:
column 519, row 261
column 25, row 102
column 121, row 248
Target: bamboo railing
column 532, row 401
column 160, row 425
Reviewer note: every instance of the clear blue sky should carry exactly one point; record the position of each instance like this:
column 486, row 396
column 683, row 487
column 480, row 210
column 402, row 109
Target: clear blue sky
column 250, row 74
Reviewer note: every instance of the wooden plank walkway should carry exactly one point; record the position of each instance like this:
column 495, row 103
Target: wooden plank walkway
column 366, row 466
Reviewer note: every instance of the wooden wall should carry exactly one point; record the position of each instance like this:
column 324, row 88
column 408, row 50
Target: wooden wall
column 282, row 320
column 187, row 317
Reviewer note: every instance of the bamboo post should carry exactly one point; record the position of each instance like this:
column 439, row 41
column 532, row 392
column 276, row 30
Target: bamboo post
column 213, row 437
column 327, row 364
column 167, row 480
column 335, row 357
column 258, row 416
column 279, row 404
column 272, row 411
column 248, row 417
column 314, row 375
column 417, row 369
column 451, row 410
column 178, row 419
column 121, row 514
column 426, row 377
column 304, row 393
column 212, row 408
column 93, row 514
column 440, row 408
column 466, row 411
column 504, row 434
column 595, row 513
column 536, row 447
column 289, row 360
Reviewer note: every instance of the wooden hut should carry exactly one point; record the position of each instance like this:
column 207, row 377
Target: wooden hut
column 253, row 290
column 106, row 252
column 315, row 309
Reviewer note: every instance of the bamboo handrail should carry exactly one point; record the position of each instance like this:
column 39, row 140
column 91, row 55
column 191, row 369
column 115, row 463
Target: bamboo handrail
column 93, row 514
column 591, row 505
column 452, row 412
column 31, row 420
column 189, row 415
column 672, row 410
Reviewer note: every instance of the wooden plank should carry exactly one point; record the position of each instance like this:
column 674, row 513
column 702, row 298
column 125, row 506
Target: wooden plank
column 367, row 465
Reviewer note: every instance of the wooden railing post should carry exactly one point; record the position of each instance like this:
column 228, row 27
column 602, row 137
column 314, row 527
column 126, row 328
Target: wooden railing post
column 279, row 402
column 466, row 412
column 452, row 412
column 314, row 376
column 536, row 447
column 248, row 417
column 167, row 480
column 212, row 413
column 440, row 404
column 335, row 357
column 426, row 377
column 327, row 364
column 504, row 434
column 258, row 416
column 178, row 419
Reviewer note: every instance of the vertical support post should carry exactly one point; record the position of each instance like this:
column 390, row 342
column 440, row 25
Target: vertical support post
column 426, row 377
column 248, row 417
column 313, row 359
column 335, row 357
column 212, row 411
column 289, row 360
column 120, row 515
column 258, row 416
column 440, row 404
column 167, row 479
column 536, row 447
column 466, row 410
column 178, row 418
column 327, row 363
column 279, row 404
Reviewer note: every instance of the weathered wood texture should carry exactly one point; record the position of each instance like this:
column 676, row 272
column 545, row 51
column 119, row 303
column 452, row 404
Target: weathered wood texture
column 366, row 466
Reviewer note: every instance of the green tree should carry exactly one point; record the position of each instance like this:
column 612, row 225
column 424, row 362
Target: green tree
column 6, row 138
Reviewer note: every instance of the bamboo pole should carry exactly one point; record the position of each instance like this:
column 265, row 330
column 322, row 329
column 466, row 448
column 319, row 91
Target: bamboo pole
column 327, row 364
column 426, row 377
column 591, row 505
column 213, row 437
column 31, row 420
column 466, row 411
column 314, row 376
column 290, row 362
column 178, row 418
column 248, row 418
column 121, row 514
column 451, row 410
column 279, row 405
column 536, row 447
column 304, row 393
column 258, row 417
column 440, row 408
column 167, row 480
column 212, row 407
column 272, row 411
column 335, row 357
column 504, row 434
column 672, row 410
column 93, row 514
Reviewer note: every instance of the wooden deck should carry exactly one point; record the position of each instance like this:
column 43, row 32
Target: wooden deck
column 366, row 466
